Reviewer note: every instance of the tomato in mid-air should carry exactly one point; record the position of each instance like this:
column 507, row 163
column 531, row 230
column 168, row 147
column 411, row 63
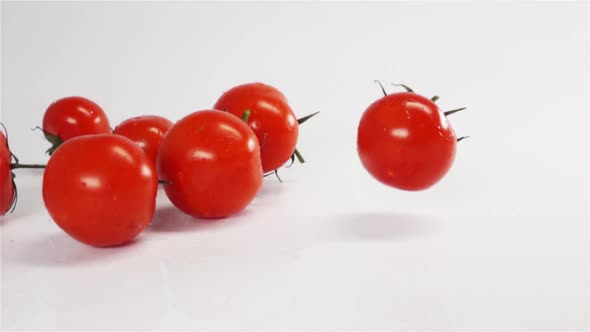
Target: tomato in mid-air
column 100, row 189
column 271, row 118
column 405, row 141
column 210, row 162
column 147, row 131
column 7, row 191
column 71, row 117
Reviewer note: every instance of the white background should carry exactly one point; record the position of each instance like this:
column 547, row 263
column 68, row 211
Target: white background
column 500, row 243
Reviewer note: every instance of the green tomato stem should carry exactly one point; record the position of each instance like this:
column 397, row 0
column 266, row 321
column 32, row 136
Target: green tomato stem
column 246, row 115
column 29, row 166
column 299, row 156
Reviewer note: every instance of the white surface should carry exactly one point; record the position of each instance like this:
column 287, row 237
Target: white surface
column 500, row 243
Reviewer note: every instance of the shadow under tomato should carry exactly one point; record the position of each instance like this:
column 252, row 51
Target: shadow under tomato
column 270, row 187
column 30, row 198
column 59, row 249
column 379, row 226
column 170, row 219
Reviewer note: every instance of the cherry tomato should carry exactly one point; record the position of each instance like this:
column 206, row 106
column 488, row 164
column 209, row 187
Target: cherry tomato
column 100, row 189
column 271, row 118
column 7, row 191
column 147, row 131
column 211, row 161
column 71, row 117
column 405, row 141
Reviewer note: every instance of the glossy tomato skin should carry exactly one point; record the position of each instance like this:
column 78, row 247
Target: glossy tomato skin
column 100, row 189
column 75, row 116
column 6, row 186
column 271, row 118
column 405, row 141
column 147, row 131
column 211, row 160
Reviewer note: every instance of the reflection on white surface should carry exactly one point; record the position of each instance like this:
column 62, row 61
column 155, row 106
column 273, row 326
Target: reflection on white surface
column 400, row 132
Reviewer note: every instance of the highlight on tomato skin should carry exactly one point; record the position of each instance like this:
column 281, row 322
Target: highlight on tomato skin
column 405, row 141
column 271, row 118
column 147, row 131
column 100, row 189
column 71, row 117
column 210, row 163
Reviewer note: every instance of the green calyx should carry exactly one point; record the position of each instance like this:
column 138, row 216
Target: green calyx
column 55, row 143
column 299, row 156
column 381, row 86
column 246, row 115
column 296, row 154
column 307, row 117
column 53, row 139
column 407, row 88
column 15, row 164
column 15, row 197
column 276, row 173
column 447, row 113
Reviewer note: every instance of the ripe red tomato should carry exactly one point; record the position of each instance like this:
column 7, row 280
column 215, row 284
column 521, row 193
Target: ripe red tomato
column 405, row 141
column 7, row 191
column 100, row 189
column 211, row 161
column 71, row 117
column 271, row 118
column 147, row 131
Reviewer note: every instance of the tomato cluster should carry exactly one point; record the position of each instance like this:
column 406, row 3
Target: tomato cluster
column 100, row 184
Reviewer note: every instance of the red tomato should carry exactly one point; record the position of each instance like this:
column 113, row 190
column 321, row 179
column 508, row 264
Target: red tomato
column 100, row 189
column 211, row 161
column 71, row 117
column 147, row 131
column 7, row 192
column 271, row 118
column 405, row 141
